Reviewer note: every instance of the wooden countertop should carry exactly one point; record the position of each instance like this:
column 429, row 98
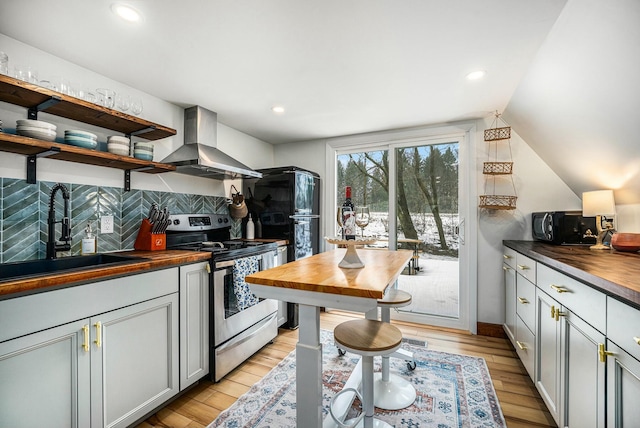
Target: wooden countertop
column 320, row 273
column 615, row 273
column 152, row 260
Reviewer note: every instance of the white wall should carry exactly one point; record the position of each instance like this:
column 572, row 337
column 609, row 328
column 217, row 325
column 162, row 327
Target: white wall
column 247, row 149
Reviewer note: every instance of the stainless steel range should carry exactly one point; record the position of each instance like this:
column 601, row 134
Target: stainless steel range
column 241, row 323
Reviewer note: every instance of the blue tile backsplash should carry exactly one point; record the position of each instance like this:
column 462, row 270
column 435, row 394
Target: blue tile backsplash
column 24, row 208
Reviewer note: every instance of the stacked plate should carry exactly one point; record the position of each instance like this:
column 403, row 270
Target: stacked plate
column 118, row 145
column 82, row 139
column 36, row 129
column 143, row 150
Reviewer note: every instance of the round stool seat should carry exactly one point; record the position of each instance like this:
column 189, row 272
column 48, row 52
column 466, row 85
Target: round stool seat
column 395, row 298
column 368, row 337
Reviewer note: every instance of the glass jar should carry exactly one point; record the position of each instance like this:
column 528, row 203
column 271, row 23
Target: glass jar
column 4, row 63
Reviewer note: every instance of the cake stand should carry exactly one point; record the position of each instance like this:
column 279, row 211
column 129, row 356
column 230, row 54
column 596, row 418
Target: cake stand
column 351, row 259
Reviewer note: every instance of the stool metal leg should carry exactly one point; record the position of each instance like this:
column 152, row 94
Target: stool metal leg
column 392, row 392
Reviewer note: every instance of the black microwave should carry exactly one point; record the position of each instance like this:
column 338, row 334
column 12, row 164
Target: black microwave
column 564, row 228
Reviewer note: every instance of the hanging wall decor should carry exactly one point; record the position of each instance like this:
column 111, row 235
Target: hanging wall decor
column 498, row 167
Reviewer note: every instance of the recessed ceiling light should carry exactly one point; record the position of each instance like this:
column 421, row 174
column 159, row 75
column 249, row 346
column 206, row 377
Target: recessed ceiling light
column 277, row 109
column 126, row 12
column 475, row 75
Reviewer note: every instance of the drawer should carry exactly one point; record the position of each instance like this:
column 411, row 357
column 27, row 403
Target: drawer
column 623, row 326
column 509, row 257
column 526, row 267
column 584, row 301
column 526, row 301
column 525, row 346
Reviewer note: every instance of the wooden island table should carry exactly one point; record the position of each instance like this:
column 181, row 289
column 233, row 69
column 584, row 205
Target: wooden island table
column 317, row 282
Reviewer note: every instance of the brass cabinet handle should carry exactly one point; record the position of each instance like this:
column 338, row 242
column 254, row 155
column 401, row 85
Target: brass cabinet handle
column 637, row 339
column 207, row 268
column 559, row 314
column 523, row 267
column 506, row 268
column 553, row 311
column 523, row 300
column 559, row 288
column 603, row 354
column 521, row 345
column 507, row 257
column 98, row 340
column 85, row 343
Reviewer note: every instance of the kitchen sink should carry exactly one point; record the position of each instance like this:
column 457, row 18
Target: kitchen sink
column 31, row 268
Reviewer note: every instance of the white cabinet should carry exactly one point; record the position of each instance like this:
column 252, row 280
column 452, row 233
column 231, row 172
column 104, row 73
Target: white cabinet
column 45, row 378
column 548, row 374
column 623, row 364
column 509, row 274
column 194, row 323
column 98, row 355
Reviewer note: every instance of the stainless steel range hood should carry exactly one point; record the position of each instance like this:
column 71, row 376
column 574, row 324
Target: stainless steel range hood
column 199, row 155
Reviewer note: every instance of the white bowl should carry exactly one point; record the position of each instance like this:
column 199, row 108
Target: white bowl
column 40, row 135
column 118, row 139
column 117, row 150
column 143, row 145
column 36, row 123
column 117, row 143
column 86, row 143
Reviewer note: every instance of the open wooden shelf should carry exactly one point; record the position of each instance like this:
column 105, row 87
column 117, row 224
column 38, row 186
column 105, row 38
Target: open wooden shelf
column 31, row 96
column 31, row 146
column 37, row 99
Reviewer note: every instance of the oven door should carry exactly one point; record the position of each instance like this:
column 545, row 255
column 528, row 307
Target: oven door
column 235, row 307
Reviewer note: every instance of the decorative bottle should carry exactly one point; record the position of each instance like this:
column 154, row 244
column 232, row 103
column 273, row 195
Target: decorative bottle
column 348, row 216
column 250, row 228
column 258, row 228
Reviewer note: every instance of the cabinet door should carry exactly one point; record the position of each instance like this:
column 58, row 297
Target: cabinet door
column 194, row 323
column 623, row 388
column 510, row 301
column 44, row 378
column 583, row 374
column 548, row 357
column 134, row 362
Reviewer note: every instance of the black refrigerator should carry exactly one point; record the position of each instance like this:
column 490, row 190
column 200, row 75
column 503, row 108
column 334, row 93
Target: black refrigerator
column 287, row 202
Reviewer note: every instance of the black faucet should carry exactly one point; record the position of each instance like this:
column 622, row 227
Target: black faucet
column 65, row 237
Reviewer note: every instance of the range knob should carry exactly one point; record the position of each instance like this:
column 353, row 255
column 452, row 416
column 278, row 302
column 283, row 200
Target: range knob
column 219, row 219
column 226, row 220
column 176, row 222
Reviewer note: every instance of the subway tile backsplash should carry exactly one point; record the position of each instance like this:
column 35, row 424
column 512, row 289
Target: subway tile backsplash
column 24, row 207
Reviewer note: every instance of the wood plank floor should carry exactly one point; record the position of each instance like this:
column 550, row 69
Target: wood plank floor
column 520, row 402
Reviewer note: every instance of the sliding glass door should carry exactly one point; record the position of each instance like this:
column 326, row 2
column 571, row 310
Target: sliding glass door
column 412, row 190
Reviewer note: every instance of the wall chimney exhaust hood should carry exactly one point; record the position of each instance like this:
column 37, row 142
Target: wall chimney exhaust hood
column 199, row 156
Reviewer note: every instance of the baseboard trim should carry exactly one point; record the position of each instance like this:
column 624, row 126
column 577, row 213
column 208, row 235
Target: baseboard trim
column 491, row 330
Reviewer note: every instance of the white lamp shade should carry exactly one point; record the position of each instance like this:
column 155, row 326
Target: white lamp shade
column 598, row 202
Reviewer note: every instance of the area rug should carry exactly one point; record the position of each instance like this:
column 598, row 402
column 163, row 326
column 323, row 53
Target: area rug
column 453, row 391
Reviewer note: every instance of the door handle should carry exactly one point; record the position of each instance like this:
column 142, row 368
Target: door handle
column 98, row 340
column 85, row 343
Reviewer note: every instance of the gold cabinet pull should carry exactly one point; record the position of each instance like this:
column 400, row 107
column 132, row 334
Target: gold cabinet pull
column 553, row 311
column 637, row 339
column 523, row 267
column 521, row 345
column 506, row 268
column 98, row 340
column 559, row 314
column 603, row 354
column 85, row 342
column 506, row 256
column 207, row 268
column 523, row 300
column 559, row 288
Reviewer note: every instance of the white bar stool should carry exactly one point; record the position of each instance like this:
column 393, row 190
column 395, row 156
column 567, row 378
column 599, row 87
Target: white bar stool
column 392, row 392
column 369, row 338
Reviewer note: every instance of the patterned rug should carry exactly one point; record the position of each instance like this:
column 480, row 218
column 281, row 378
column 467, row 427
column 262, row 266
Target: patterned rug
column 453, row 391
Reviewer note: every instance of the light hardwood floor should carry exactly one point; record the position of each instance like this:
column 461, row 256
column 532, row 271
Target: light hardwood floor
column 520, row 402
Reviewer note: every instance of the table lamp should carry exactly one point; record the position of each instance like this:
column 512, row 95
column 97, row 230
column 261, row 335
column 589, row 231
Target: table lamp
column 599, row 203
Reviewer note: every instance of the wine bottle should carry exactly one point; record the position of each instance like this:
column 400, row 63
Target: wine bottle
column 348, row 216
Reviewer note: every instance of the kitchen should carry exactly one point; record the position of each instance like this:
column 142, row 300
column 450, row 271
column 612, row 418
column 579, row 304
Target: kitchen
column 552, row 121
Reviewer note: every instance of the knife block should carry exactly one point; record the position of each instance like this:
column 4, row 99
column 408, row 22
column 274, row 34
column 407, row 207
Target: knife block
column 149, row 241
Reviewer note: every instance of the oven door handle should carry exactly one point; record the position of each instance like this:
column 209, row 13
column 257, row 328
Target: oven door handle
column 224, row 264
column 261, row 326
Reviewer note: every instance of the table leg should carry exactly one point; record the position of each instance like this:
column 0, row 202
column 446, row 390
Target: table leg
column 309, row 368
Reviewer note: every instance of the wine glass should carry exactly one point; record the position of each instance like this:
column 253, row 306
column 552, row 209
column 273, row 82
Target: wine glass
column 362, row 218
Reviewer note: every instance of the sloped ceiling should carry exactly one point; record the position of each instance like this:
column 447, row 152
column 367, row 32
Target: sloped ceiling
column 578, row 106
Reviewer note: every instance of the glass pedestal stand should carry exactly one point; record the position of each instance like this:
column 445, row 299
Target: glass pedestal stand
column 351, row 259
